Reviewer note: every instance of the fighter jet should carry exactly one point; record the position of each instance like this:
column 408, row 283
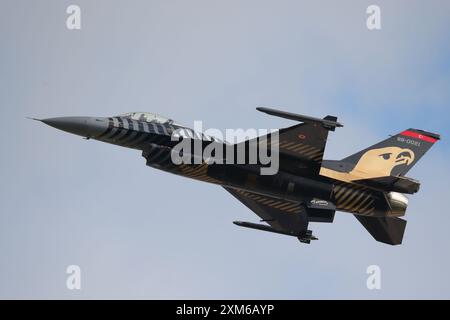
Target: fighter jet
column 370, row 184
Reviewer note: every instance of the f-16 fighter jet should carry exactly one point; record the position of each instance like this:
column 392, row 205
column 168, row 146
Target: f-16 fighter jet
column 369, row 184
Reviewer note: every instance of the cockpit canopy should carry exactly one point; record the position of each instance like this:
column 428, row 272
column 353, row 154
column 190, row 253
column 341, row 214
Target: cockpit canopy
column 147, row 116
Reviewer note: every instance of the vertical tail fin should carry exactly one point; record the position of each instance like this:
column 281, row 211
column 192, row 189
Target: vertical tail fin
column 394, row 156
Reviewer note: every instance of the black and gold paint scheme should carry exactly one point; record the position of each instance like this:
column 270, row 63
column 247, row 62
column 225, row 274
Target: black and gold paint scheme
column 368, row 184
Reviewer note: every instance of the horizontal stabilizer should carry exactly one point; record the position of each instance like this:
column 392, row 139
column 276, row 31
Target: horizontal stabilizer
column 329, row 122
column 386, row 230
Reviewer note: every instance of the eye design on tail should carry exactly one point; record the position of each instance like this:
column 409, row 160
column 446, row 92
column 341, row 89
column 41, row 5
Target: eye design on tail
column 406, row 156
column 381, row 162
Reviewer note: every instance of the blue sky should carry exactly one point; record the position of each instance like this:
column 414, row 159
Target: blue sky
column 140, row 233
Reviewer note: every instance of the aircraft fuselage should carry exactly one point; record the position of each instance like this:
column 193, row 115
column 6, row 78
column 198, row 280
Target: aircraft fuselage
column 154, row 139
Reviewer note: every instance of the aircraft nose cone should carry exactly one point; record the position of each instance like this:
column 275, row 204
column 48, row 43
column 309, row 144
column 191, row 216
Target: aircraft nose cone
column 82, row 126
column 75, row 125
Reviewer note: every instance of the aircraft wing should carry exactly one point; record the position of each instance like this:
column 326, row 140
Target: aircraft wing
column 305, row 141
column 284, row 216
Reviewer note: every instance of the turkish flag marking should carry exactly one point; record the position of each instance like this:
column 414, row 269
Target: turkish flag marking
column 417, row 135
